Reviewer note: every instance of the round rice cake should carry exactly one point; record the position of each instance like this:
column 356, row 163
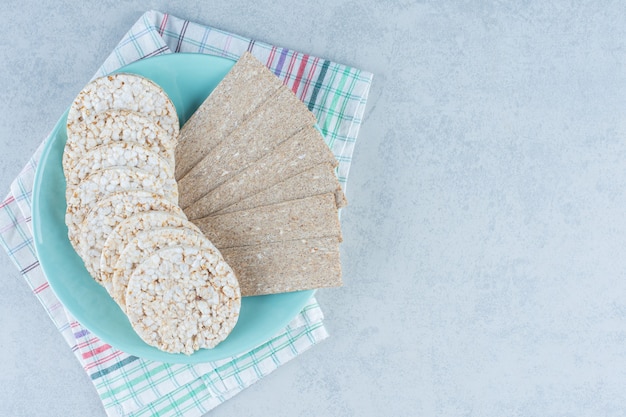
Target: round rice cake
column 145, row 243
column 128, row 229
column 124, row 92
column 82, row 197
column 115, row 126
column 182, row 299
column 107, row 214
column 119, row 154
column 120, row 178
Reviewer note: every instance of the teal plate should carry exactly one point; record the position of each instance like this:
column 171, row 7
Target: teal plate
column 188, row 79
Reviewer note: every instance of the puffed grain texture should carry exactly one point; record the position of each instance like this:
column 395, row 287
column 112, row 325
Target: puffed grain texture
column 116, row 126
column 142, row 244
column 300, row 152
column 183, row 299
column 83, row 197
column 125, row 92
column 320, row 179
column 107, row 214
column 121, row 154
column 128, row 229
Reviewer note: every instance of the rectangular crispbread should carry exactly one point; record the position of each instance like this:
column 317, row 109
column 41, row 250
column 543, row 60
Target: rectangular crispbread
column 286, row 266
column 297, row 154
column 320, row 179
column 248, row 84
column 311, row 217
column 278, row 119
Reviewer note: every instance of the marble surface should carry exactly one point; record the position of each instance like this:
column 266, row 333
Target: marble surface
column 484, row 243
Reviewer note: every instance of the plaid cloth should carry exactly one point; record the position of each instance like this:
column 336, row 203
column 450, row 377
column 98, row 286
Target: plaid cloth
column 131, row 386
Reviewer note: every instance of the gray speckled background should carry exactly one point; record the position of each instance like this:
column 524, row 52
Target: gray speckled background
column 484, row 242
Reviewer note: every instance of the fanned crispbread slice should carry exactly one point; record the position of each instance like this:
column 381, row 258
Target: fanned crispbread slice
column 248, row 84
column 320, row 179
column 311, row 217
column 296, row 154
column 286, row 266
column 277, row 120
column 118, row 178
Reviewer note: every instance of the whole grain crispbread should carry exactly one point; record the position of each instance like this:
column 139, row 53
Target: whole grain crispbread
column 311, row 217
column 246, row 86
column 297, row 154
column 277, row 120
column 287, row 266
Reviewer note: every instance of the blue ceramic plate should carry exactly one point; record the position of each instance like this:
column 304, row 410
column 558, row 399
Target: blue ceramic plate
column 188, row 79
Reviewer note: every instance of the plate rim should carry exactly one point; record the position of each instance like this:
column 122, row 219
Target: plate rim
column 161, row 356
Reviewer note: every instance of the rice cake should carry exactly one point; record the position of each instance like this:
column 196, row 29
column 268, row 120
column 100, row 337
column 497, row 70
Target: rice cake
column 82, row 197
column 119, row 154
column 106, row 215
column 246, row 86
column 127, row 229
column 124, row 92
column 295, row 155
column 286, row 266
column 182, row 299
column 141, row 245
column 114, row 126
column 311, row 217
column 320, row 179
column 277, row 120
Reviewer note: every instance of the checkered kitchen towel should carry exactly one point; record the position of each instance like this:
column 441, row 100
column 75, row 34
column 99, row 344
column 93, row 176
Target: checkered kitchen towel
column 130, row 386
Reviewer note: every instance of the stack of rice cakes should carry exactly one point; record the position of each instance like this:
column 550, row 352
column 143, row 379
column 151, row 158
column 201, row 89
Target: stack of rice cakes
column 124, row 220
column 257, row 178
